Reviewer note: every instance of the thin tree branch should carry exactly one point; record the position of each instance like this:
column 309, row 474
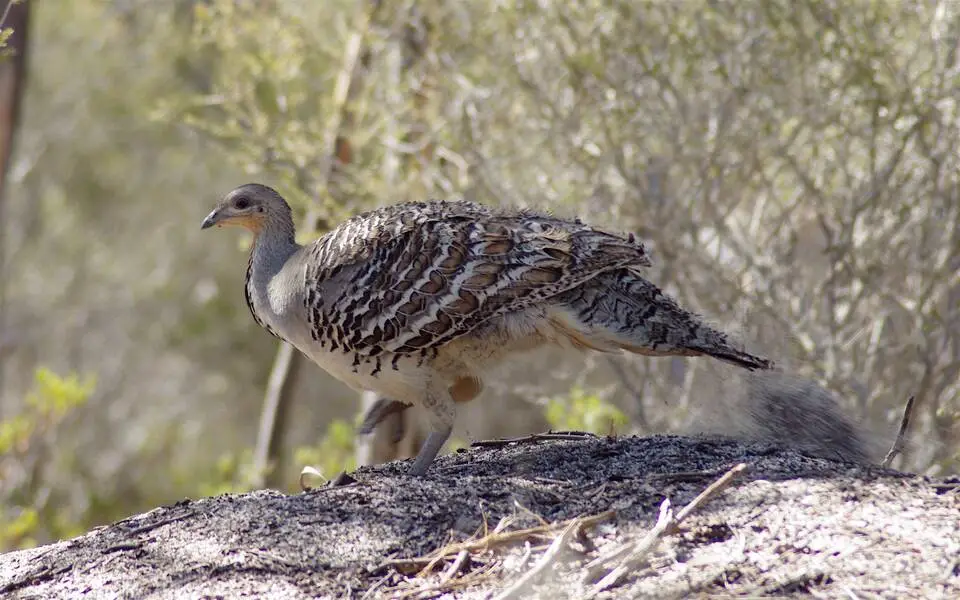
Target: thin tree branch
column 13, row 73
column 901, row 433
column 273, row 425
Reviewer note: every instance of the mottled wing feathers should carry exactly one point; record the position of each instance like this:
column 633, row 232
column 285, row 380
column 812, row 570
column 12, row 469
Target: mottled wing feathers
column 409, row 278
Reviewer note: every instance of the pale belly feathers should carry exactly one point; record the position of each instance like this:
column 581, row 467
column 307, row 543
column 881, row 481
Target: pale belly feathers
column 406, row 383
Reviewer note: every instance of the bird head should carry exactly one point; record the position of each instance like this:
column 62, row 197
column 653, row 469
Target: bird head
column 251, row 206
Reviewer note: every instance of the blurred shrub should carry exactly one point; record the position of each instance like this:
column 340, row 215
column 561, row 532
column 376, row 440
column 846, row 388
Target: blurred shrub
column 27, row 442
column 584, row 411
column 233, row 473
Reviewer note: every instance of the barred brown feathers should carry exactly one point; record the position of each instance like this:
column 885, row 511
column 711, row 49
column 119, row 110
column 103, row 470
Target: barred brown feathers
column 410, row 278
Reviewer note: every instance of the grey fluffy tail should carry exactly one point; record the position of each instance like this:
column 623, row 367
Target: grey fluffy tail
column 796, row 412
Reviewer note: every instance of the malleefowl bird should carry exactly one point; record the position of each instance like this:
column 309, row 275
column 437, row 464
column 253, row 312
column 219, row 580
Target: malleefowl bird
column 417, row 301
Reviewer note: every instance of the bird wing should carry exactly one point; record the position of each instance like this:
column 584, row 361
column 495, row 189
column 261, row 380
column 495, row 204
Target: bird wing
column 409, row 278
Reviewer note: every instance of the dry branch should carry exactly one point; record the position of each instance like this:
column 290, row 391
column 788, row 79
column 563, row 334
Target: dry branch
column 667, row 523
column 495, row 538
column 545, row 561
column 897, row 446
column 287, row 361
column 535, row 437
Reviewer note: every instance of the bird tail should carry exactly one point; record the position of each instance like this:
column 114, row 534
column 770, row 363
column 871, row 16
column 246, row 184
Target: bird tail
column 788, row 409
column 621, row 310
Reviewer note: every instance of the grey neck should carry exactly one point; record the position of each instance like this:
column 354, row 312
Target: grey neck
column 271, row 249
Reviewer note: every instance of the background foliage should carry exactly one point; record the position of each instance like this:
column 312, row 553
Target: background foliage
column 792, row 164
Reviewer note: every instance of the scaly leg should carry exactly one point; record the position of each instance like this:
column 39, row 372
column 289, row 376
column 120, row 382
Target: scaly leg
column 441, row 410
column 428, row 452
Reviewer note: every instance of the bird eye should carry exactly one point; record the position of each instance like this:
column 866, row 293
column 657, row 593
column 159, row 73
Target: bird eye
column 241, row 203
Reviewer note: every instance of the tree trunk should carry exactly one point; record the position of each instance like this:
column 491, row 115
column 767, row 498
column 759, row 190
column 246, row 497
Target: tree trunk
column 13, row 72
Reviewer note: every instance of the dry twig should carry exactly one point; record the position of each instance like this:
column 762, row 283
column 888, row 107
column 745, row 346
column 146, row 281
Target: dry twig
column 712, row 490
column 897, row 446
column 461, row 582
column 493, row 539
column 667, row 523
column 536, row 437
column 545, row 561
column 638, row 551
column 455, row 566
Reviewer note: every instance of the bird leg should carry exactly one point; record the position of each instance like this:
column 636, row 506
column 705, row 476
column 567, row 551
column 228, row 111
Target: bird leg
column 428, row 452
column 441, row 411
column 380, row 410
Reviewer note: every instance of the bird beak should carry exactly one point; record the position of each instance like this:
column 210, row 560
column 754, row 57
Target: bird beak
column 211, row 219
